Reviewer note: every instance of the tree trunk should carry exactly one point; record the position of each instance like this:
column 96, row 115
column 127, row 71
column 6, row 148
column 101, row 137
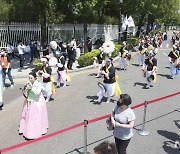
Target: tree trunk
column 150, row 23
column 140, row 24
column 43, row 27
column 85, row 37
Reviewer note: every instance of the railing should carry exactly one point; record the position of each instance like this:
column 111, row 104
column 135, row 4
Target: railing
column 13, row 32
column 85, row 123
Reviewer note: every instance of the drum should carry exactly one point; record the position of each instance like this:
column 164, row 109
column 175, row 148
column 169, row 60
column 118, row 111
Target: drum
column 102, row 87
column 150, row 47
column 53, row 61
column 177, row 63
column 143, row 51
column 53, row 45
column 129, row 56
column 150, row 78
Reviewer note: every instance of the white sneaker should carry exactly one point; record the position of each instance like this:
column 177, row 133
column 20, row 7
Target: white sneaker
column 147, row 87
column 107, row 102
column 97, row 101
column 12, row 86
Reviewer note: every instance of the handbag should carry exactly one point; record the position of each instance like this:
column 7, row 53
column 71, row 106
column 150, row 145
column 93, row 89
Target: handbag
column 109, row 124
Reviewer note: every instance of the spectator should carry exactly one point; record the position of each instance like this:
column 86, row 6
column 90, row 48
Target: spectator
column 123, row 121
column 34, row 51
column 82, row 44
column 27, row 51
column 78, row 49
column 6, row 68
column 71, row 53
column 105, row 148
column 64, row 50
column 21, row 48
column 38, row 46
column 89, row 44
column 45, row 49
column 10, row 49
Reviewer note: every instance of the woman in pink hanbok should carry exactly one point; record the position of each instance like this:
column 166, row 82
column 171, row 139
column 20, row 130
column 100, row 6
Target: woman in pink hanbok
column 34, row 118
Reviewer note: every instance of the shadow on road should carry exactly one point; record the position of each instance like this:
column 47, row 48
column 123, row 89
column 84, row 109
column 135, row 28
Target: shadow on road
column 165, row 75
column 167, row 67
column 137, row 65
column 104, row 99
column 140, row 84
column 171, row 146
column 93, row 74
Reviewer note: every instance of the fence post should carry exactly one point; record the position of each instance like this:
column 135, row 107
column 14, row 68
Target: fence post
column 144, row 132
column 85, row 136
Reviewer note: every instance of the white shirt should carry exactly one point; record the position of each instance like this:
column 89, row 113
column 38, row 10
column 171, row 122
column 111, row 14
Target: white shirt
column 21, row 49
column 10, row 48
column 27, row 49
column 124, row 118
column 73, row 44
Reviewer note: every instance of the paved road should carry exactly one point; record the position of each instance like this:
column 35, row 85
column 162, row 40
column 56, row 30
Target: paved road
column 74, row 103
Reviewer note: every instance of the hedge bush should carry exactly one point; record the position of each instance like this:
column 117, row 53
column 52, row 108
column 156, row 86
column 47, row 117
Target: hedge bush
column 132, row 42
column 87, row 58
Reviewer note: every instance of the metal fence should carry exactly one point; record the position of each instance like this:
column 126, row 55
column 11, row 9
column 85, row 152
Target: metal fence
column 13, row 32
column 94, row 31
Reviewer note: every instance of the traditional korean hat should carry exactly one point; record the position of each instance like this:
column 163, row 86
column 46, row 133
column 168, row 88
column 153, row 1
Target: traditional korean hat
column 44, row 59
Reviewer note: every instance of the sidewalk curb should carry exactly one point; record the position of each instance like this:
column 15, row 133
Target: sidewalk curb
column 24, row 75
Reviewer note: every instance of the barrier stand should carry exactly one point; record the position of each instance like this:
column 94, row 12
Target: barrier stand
column 85, row 136
column 144, row 132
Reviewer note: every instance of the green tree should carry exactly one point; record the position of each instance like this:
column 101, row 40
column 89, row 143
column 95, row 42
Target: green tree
column 4, row 11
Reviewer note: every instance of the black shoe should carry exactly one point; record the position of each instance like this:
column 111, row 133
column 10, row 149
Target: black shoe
column 51, row 99
column 151, row 86
column 1, row 107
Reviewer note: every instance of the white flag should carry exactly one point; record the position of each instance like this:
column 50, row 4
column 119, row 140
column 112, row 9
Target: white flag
column 124, row 23
column 130, row 22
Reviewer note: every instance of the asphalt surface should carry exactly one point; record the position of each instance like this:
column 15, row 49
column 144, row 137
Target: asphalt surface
column 73, row 104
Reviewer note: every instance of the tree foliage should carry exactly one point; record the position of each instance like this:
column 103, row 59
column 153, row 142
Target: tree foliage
column 90, row 11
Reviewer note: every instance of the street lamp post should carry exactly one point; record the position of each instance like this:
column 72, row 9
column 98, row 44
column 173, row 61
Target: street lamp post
column 120, row 18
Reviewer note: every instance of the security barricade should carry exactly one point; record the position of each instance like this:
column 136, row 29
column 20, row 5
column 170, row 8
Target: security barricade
column 85, row 123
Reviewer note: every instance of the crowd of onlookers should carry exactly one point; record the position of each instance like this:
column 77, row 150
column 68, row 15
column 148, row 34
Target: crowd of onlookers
column 71, row 50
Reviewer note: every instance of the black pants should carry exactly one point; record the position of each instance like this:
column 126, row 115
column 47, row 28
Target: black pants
column 21, row 58
column 70, row 63
column 121, row 145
